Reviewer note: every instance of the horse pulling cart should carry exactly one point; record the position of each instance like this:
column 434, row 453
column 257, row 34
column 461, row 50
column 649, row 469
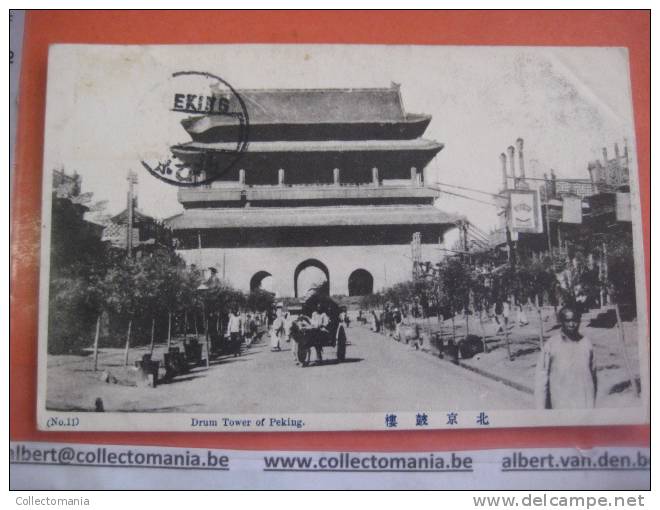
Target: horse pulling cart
column 307, row 336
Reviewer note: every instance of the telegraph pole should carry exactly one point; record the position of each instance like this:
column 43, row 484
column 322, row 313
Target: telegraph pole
column 132, row 180
column 466, row 246
column 416, row 248
column 547, row 214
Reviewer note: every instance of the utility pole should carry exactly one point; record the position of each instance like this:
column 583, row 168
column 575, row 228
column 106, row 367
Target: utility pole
column 416, row 249
column 509, row 242
column 466, row 245
column 605, row 272
column 132, row 180
column 547, row 226
column 547, row 213
column 511, row 255
column 199, row 248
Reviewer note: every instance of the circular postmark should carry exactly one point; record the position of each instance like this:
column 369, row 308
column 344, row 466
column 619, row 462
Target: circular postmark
column 216, row 120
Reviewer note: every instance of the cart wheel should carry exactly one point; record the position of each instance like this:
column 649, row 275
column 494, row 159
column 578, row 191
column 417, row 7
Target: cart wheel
column 341, row 345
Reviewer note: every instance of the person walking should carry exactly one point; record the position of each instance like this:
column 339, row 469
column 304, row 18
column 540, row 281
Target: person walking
column 502, row 312
column 288, row 337
column 277, row 329
column 375, row 322
column 252, row 329
column 565, row 371
column 321, row 322
column 397, row 320
column 341, row 335
column 235, row 331
column 288, row 320
column 343, row 322
column 212, row 282
column 520, row 311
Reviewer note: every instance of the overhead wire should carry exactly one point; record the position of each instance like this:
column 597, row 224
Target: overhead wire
column 481, row 236
column 477, row 232
column 464, row 196
column 465, row 188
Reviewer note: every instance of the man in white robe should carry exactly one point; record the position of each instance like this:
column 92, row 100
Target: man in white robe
column 565, row 371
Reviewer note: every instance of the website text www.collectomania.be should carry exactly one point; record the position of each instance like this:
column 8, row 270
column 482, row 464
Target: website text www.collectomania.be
column 428, row 462
column 551, row 500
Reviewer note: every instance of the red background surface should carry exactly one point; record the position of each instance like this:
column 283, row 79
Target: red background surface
column 629, row 29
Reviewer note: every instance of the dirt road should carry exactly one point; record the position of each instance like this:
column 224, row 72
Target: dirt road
column 378, row 375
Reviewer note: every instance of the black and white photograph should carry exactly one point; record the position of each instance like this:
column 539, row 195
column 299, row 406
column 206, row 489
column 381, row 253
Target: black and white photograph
column 340, row 237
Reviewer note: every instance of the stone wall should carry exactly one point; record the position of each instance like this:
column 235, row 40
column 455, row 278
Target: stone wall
column 388, row 264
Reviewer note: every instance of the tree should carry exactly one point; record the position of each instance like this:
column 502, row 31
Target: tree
column 75, row 303
column 223, row 298
column 621, row 269
column 75, row 244
column 78, row 262
column 371, row 301
column 410, row 292
column 127, row 290
column 165, row 286
column 260, row 300
column 455, row 287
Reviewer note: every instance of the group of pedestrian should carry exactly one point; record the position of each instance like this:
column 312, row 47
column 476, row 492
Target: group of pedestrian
column 242, row 328
column 399, row 324
column 319, row 323
column 280, row 329
column 565, row 375
column 388, row 321
column 503, row 315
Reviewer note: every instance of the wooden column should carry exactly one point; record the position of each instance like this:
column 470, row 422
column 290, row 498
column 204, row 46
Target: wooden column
column 374, row 177
column 336, row 176
column 414, row 177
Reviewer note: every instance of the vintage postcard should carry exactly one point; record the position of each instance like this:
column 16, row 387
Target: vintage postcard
column 334, row 237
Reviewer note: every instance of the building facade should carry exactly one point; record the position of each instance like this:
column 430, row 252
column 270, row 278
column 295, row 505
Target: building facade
column 146, row 232
column 572, row 210
column 331, row 179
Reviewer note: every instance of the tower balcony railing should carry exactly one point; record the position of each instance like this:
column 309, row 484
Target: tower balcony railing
column 237, row 192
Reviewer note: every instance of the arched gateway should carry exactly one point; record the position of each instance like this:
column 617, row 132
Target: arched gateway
column 360, row 283
column 302, row 267
column 257, row 280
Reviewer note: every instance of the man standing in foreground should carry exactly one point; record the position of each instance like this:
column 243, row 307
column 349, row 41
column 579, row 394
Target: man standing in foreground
column 565, row 372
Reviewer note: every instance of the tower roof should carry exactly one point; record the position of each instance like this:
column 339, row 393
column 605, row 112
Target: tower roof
column 322, row 105
column 311, row 114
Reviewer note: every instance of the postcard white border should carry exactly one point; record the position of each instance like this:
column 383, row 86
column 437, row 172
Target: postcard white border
column 137, row 421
